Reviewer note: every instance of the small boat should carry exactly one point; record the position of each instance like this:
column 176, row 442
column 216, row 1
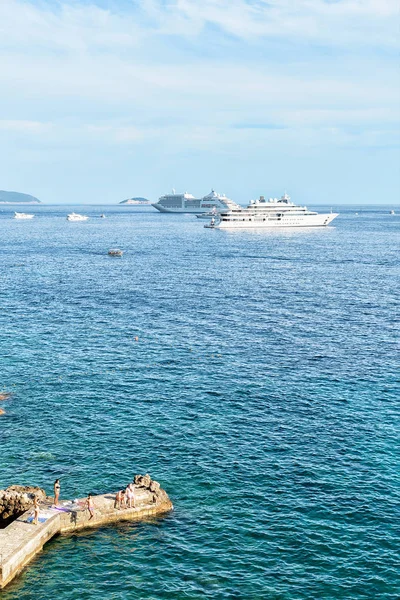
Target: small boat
column 75, row 217
column 115, row 252
column 211, row 224
column 18, row 215
column 208, row 215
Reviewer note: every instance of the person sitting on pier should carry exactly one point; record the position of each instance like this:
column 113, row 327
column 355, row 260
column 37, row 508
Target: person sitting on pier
column 90, row 506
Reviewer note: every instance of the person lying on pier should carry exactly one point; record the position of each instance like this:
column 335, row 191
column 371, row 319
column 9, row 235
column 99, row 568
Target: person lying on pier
column 90, row 506
column 35, row 511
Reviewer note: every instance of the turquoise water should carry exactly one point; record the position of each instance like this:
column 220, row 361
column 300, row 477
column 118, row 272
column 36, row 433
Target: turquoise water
column 263, row 394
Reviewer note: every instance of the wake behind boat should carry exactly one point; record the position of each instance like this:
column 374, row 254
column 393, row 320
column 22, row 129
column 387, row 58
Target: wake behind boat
column 270, row 213
column 18, row 215
column 75, row 217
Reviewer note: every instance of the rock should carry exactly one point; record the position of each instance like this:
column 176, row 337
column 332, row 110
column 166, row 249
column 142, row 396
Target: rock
column 154, row 487
column 146, row 481
column 161, row 497
column 16, row 499
column 143, row 481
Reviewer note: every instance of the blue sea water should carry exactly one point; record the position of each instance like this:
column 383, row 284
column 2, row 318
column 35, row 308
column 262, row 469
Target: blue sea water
column 263, row 394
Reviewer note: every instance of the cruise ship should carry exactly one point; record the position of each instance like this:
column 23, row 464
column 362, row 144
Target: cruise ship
column 270, row 213
column 186, row 203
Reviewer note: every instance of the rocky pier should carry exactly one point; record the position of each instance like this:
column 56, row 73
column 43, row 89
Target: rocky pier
column 21, row 539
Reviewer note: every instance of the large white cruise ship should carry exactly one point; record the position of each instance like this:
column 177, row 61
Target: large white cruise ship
column 270, row 213
column 186, row 203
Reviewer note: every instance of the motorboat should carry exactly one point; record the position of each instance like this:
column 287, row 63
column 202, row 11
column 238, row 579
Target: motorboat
column 75, row 217
column 18, row 215
column 208, row 215
column 115, row 252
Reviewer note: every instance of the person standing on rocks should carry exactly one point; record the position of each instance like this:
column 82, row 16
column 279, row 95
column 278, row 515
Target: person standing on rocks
column 57, row 488
column 35, row 511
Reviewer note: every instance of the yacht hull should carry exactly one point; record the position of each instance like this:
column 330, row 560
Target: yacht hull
column 193, row 211
column 320, row 220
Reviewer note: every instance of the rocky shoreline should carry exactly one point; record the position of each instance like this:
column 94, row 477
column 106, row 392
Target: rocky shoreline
column 17, row 499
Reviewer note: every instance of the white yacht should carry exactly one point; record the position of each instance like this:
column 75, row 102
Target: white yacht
column 208, row 215
column 270, row 213
column 18, row 215
column 75, row 217
column 186, row 203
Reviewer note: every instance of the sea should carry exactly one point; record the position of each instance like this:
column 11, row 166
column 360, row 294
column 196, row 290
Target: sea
column 262, row 393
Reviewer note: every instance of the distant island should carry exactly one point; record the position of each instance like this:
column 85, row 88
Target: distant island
column 135, row 201
column 17, row 198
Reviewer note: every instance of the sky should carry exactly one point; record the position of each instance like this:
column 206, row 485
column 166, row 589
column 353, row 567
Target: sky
column 102, row 100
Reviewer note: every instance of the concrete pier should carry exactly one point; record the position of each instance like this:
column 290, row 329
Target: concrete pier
column 22, row 540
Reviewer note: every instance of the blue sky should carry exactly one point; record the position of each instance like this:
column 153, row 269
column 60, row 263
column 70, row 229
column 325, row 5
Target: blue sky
column 106, row 99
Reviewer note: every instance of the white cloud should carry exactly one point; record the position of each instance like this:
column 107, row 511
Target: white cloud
column 330, row 23
column 65, row 28
column 26, row 127
column 115, row 133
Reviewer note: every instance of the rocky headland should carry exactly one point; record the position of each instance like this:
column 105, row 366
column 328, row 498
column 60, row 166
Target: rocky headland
column 17, row 198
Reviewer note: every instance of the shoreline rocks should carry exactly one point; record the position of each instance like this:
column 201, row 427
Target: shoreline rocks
column 145, row 481
column 16, row 499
